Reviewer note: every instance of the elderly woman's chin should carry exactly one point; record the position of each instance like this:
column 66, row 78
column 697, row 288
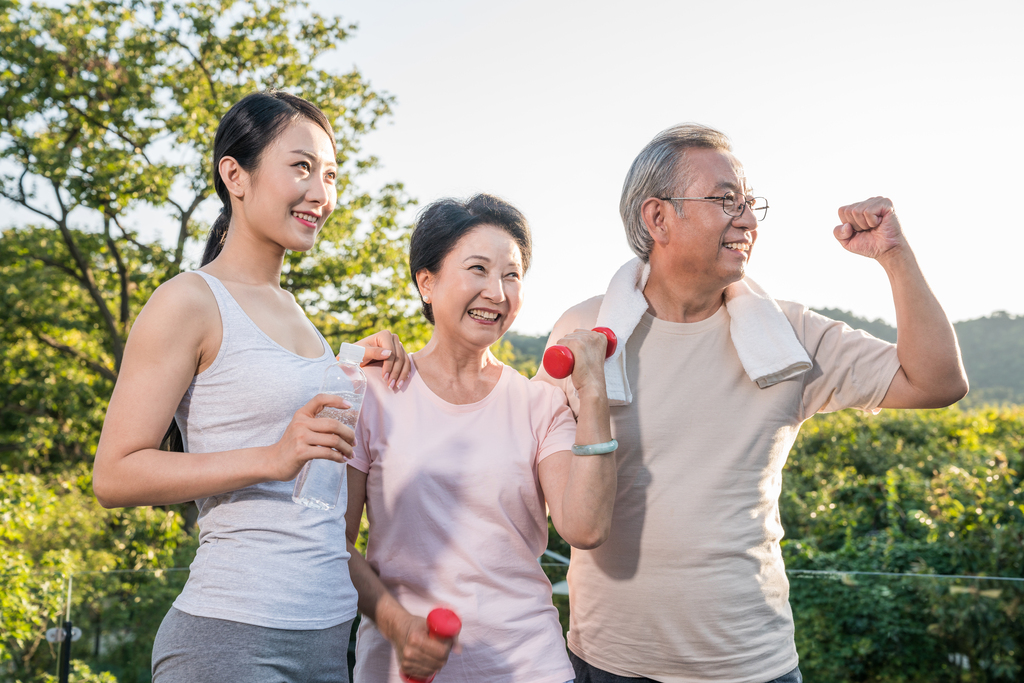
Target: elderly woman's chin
column 482, row 335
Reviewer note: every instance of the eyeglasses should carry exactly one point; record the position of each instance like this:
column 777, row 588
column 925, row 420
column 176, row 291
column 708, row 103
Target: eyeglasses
column 733, row 204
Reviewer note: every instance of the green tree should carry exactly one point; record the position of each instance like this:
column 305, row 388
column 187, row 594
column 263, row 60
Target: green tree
column 877, row 327
column 107, row 107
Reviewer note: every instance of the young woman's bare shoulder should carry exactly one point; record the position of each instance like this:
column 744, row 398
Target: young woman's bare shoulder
column 184, row 304
column 185, row 292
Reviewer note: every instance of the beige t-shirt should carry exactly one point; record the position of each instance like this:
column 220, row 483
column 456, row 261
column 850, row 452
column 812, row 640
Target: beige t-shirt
column 691, row 586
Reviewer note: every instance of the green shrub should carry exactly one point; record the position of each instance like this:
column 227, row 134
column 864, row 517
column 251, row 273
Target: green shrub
column 907, row 492
column 52, row 527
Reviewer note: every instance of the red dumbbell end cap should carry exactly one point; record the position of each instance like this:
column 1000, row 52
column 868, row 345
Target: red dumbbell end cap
column 410, row 679
column 613, row 341
column 443, row 623
column 559, row 361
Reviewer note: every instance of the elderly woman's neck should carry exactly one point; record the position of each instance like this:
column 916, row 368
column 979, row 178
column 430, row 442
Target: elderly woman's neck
column 457, row 373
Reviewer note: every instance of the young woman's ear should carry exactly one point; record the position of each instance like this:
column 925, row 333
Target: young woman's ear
column 233, row 175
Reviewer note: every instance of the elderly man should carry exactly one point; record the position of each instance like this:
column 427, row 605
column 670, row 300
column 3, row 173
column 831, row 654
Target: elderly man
column 691, row 586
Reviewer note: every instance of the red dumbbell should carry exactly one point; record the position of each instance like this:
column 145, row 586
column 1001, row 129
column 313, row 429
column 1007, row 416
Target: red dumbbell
column 441, row 623
column 558, row 360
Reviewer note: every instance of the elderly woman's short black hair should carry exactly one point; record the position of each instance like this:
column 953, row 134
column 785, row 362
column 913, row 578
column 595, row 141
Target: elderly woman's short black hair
column 443, row 223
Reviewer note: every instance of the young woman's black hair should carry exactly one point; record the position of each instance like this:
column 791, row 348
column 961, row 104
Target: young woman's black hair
column 244, row 133
column 443, row 223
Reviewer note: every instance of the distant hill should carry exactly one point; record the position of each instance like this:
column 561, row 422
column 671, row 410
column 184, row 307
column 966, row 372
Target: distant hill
column 993, row 351
column 992, row 348
column 878, row 327
column 526, row 346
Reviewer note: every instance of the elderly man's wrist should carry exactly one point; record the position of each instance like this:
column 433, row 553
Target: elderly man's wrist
column 898, row 257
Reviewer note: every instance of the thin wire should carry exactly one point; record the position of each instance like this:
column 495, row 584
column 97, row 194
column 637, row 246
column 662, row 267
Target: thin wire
column 131, row 571
column 837, row 572
column 810, row 572
column 97, row 571
column 840, row 572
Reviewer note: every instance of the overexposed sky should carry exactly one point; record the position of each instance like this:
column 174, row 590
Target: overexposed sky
column 547, row 103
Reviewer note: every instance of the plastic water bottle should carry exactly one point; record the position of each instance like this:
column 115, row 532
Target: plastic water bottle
column 319, row 482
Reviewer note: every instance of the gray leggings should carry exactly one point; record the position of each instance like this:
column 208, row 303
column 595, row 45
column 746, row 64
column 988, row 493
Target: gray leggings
column 192, row 649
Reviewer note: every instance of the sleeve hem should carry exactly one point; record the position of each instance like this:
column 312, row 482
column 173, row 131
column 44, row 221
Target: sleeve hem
column 873, row 406
column 360, row 465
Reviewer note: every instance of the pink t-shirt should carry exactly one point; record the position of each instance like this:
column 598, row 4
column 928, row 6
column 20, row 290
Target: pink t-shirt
column 458, row 519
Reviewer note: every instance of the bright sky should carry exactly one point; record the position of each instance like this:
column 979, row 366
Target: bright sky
column 546, row 104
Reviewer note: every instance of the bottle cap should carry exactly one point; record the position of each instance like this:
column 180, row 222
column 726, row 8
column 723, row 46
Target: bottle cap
column 351, row 353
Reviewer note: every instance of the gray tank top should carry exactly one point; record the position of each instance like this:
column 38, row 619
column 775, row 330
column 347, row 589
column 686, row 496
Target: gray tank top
column 262, row 559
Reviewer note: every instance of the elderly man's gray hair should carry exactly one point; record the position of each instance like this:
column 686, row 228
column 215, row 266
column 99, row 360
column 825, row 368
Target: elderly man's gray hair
column 660, row 170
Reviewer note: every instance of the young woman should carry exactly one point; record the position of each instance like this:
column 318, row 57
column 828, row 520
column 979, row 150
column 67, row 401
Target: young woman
column 459, row 468
column 231, row 357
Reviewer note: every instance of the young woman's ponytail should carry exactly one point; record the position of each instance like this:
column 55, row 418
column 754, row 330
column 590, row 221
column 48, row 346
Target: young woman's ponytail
column 218, row 233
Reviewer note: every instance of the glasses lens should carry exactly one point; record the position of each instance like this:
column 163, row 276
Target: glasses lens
column 760, row 208
column 732, row 204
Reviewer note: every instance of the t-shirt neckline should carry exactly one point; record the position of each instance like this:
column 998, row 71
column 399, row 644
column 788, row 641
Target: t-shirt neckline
column 455, row 407
column 719, row 317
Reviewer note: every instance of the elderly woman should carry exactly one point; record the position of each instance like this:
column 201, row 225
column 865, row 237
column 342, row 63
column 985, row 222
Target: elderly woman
column 459, row 469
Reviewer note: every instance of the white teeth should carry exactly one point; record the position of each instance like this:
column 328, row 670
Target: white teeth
column 305, row 216
column 483, row 315
column 741, row 246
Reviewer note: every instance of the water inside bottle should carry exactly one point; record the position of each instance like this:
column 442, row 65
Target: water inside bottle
column 347, row 416
column 326, row 472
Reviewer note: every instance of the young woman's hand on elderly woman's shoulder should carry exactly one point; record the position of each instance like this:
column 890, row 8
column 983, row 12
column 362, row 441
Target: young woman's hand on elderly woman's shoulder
column 384, row 349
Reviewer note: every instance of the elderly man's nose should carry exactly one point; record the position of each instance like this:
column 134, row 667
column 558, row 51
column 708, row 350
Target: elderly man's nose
column 746, row 220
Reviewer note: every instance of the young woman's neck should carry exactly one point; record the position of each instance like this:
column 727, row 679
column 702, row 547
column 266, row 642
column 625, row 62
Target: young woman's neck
column 247, row 259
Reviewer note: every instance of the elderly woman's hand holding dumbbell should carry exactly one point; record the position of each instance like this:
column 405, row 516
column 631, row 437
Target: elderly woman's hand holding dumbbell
column 559, row 360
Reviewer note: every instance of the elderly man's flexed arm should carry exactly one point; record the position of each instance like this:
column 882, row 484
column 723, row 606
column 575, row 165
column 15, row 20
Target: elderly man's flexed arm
column 931, row 373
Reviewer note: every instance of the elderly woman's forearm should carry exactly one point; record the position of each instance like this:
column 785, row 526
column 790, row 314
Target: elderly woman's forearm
column 590, row 487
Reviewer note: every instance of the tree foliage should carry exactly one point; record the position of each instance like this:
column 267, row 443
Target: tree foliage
column 107, row 116
column 109, row 107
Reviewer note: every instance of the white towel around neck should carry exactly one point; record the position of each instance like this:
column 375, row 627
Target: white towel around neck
column 760, row 331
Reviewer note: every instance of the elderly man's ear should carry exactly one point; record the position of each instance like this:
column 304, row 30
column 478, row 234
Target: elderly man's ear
column 654, row 212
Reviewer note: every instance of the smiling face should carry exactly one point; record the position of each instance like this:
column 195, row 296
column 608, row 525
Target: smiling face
column 476, row 294
column 291, row 194
column 704, row 242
